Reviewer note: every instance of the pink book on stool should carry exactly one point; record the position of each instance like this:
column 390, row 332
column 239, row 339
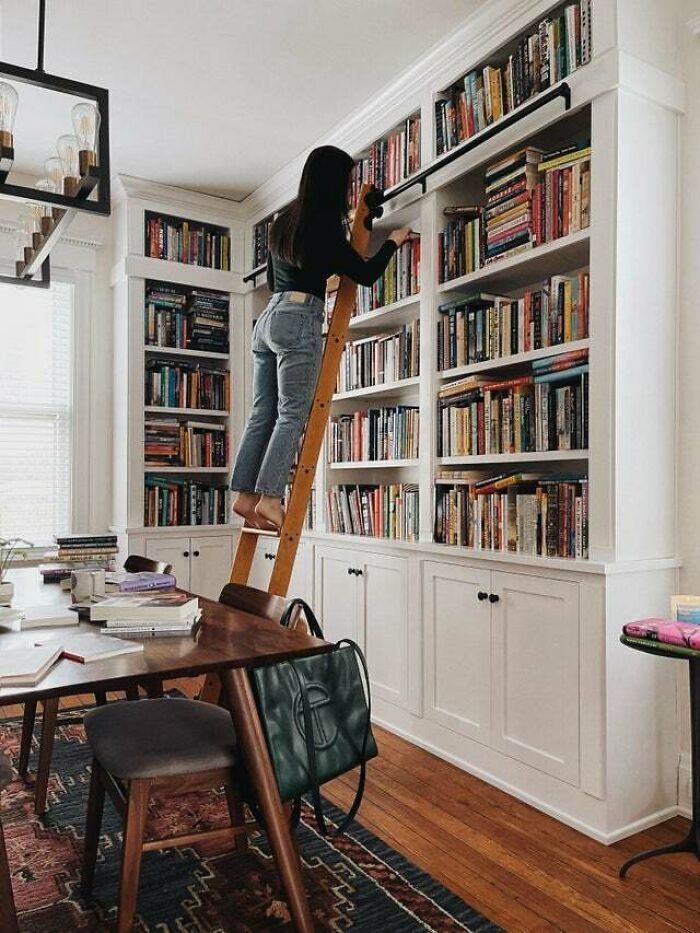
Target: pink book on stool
column 683, row 634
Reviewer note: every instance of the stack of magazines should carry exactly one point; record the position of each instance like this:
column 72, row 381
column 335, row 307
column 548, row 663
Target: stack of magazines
column 147, row 614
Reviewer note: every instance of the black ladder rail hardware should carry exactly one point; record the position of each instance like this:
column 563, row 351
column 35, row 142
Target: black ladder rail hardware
column 378, row 198
column 254, row 273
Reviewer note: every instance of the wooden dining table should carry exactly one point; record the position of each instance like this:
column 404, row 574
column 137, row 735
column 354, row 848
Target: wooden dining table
column 228, row 643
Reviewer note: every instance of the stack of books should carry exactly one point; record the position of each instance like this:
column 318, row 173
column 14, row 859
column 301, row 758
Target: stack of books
column 147, row 614
column 545, row 515
column 185, row 443
column 166, row 319
column 376, row 360
column 478, row 327
column 461, row 243
column 191, row 242
column 376, row 434
column 177, row 384
column 541, row 411
column 122, row 581
column 376, row 511
column 80, row 552
column 561, row 201
column 508, row 215
column 171, row 501
column 559, row 45
column 208, row 324
column 401, row 278
column 389, row 160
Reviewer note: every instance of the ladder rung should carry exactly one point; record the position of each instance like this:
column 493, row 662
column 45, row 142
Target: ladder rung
column 265, row 532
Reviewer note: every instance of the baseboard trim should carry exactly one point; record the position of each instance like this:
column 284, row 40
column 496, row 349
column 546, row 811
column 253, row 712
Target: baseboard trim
column 606, row 839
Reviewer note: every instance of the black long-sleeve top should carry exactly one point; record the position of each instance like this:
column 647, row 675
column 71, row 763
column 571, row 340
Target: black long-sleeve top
column 329, row 253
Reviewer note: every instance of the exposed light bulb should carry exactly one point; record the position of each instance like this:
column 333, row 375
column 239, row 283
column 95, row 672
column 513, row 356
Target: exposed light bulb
column 68, row 148
column 9, row 98
column 25, row 234
column 86, row 123
column 54, row 173
column 45, row 184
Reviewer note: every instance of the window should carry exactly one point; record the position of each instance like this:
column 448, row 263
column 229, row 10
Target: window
column 36, row 411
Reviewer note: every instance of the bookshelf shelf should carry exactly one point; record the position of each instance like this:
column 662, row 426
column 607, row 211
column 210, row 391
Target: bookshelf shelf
column 562, row 255
column 180, row 273
column 165, row 410
column 396, row 313
column 185, row 353
column 371, row 464
column 544, row 456
column 400, row 388
column 516, row 359
column 151, row 468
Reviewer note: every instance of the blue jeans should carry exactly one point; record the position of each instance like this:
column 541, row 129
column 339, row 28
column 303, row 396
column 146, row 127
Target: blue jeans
column 287, row 348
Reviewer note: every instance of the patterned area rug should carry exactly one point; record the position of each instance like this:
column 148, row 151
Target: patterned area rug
column 355, row 882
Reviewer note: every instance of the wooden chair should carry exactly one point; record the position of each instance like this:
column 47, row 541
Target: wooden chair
column 8, row 917
column 133, row 564
column 172, row 746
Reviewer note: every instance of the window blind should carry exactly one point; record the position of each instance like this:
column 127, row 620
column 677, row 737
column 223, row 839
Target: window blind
column 36, row 405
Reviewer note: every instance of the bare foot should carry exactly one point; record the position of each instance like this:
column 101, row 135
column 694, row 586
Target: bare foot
column 269, row 512
column 244, row 505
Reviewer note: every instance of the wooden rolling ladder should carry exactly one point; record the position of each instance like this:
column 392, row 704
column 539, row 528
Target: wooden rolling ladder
column 290, row 533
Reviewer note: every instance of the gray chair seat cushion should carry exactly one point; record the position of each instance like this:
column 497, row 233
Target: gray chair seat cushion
column 160, row 738
column 5, row 771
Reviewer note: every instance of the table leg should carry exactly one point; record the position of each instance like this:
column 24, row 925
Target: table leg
column 254, row 747
column 48, row 732
column 691, row 843
column 25, row 748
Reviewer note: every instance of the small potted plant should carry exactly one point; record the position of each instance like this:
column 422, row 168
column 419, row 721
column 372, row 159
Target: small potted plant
column 11, row 549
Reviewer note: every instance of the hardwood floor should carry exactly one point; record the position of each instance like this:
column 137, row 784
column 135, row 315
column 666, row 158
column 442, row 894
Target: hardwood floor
column 522, row 869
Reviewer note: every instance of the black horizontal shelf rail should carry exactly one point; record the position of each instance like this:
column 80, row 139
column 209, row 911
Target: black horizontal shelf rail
column 254, row 273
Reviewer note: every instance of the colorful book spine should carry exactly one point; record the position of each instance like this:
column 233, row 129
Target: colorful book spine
column 170, row 502
column 389, row 160
column 377, row 434
column 170, row 384
column 389, row 512
column 400, row 279
column 178, row 240
column 378, row 360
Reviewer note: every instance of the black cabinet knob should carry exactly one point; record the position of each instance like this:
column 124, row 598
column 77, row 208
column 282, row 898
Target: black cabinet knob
column 351, row 571
column 269, row 556
column 481, row 596
column 359, row 572
column 494, row 597
column 185, row 553
column 195, row 553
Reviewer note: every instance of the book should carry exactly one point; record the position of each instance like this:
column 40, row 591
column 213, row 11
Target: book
column 375, row 434
column 38, row 617
column 92, row 646
column 388, row 160
column 57, row 571
column 192, row 242
column 185, row 384
column 163, row 607
column 400, row 279
column 182, row 317
column 25, row 667
column 378, row 511
column 125, row 582
column 379, row 359
column 136, row 628
column 171, row 501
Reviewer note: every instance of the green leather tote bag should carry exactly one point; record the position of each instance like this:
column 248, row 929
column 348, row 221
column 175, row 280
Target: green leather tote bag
column 316, row 715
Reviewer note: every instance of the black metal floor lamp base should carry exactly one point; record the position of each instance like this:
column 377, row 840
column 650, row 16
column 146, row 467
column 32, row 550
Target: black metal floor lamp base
column 691, row 843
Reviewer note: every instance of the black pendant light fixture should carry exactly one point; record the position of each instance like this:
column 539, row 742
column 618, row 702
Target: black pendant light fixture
column 77, row 175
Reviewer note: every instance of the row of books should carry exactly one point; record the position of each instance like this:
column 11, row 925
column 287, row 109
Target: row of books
column 559, row 45
column 376, row 434
column 168, row 442
column 478, row 327
column 191, row 319
column 376, row 360
column 187, row 241
column 389, row 160
column 170, row 501
column 376, row 511
column 171, row 384
column 401, row 278
column 561, row 201
column 547, row 410
column 461, row 243
column 261, row 241
column 522, row 513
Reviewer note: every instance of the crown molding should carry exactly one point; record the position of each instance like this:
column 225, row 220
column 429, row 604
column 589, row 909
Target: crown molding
column 129, row 186
column 480, row 32
column 83, row 242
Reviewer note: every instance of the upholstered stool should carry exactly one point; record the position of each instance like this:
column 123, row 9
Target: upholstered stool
column 8, row 918
column 165, row 745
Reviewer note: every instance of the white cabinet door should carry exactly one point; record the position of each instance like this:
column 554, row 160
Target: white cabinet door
column 210, row 562
column 175, row 551
column 337, row 602
column 263, row 562
column 457, row 648
column 536, row 689
column 386, row 625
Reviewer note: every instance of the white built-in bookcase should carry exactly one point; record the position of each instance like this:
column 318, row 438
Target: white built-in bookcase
column 183, row 546
column 531, row 690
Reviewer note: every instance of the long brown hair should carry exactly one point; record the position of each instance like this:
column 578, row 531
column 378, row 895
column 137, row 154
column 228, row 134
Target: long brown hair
column 321, row 200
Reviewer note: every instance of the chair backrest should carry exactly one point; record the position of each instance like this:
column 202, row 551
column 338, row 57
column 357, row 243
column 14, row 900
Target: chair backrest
column 257, row 602
column 137, row 564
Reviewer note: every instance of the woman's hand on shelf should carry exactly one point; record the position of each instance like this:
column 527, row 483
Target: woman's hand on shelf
column 400, row 235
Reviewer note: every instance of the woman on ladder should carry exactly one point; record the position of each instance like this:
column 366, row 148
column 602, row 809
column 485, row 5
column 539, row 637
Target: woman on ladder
column 308, row 243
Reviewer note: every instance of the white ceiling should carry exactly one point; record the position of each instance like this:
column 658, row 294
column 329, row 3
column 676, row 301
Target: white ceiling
column 215, row 95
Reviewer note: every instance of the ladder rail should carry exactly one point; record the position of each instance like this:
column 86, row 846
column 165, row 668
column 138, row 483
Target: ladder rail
column 290, row 533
